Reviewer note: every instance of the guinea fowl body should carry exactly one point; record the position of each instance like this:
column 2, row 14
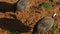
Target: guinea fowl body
column 22, row 4
column 18, row 6
column 43, row 25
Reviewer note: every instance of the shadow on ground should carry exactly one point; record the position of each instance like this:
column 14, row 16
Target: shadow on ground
column 6, row 7
column 13, row 25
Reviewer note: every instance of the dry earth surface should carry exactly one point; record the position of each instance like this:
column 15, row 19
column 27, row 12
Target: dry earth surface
column 32, row 14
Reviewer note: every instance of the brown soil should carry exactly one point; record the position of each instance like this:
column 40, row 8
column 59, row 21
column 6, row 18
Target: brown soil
column 32, row 14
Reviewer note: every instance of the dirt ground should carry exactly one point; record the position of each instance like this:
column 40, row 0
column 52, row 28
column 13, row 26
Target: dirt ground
column 32, row 14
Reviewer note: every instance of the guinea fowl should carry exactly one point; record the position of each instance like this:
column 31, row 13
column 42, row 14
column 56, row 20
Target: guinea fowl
column 18, row 6
column 43, row 25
